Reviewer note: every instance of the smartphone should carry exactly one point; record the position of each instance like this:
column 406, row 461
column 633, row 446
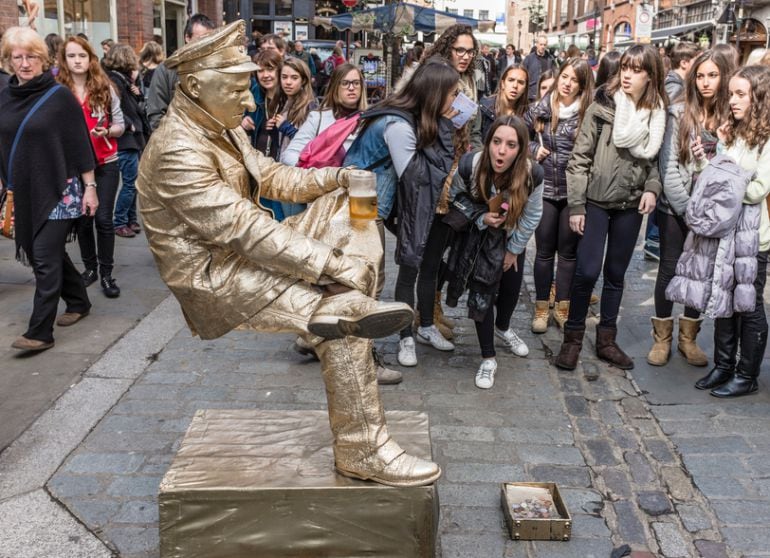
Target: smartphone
column 503, row 209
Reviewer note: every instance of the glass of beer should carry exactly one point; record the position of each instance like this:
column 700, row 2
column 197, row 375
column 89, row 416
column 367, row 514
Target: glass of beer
column 362, row 193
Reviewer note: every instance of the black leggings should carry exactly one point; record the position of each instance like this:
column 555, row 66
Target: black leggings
column 107, row 180
column 620, row 229
column 428, row 274
column 551, row 236
column 673, row 232
column 507, row 298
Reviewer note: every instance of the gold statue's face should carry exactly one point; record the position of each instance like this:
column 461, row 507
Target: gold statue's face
column 223, row 96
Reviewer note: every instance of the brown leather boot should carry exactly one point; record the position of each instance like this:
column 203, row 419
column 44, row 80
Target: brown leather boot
column 607, row 349
column 569, row 353
column 688, row 332
column 662, row 332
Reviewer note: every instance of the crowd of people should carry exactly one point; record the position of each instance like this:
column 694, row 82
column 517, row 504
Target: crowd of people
column 572, row 150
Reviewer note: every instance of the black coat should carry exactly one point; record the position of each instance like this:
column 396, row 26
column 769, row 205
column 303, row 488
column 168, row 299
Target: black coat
column 54, row 146
column 559, row 143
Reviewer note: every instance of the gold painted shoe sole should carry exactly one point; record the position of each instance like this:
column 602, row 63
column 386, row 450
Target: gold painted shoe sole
column 370, row 326
column 407, row 484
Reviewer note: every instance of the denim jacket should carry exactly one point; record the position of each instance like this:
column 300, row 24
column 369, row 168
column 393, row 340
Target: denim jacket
column 368, row 149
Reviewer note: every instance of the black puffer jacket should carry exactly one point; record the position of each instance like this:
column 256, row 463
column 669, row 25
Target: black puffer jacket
column 559, row 143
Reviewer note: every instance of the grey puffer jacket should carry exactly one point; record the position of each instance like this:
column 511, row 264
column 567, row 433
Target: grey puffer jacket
column 716, row 271
column 559, row 143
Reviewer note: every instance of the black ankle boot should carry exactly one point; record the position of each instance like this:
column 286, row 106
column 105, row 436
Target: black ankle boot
column 716, row 377
column 110, row 287
column 737, row 386
column 89, row 277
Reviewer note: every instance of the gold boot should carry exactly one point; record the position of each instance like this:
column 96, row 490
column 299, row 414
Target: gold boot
column 662, row 333
column 688, row 331
column 540, row 320
column 354, row 313
column 363, row 448
column 561, row 313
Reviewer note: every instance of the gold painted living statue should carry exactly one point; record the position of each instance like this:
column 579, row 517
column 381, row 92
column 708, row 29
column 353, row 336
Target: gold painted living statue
column 231, row 264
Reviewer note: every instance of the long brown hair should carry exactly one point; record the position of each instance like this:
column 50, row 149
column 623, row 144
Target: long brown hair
column 585, row 77
column 522, row 103
column 646, row 58
column 514, row 182
column 98, row 85
column 712, row 112
column 271, row 60
column 332, row 98
column 753, row 128
column 299, row 104
column 424, row 96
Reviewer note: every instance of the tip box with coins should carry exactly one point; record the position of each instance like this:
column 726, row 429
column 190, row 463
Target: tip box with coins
column 535, row 511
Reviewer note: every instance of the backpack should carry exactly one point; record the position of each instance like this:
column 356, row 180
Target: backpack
column 327, row 148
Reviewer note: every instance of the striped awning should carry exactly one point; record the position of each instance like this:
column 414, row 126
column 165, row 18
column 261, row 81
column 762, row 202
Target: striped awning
column 400, row 19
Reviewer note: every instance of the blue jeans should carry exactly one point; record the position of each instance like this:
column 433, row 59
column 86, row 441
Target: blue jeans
column 125, row 209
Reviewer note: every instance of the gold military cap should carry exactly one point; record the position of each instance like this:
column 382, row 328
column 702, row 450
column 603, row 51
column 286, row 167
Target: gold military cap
column 223, row 50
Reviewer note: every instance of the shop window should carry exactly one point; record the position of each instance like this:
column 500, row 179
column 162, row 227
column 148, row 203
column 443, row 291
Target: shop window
column 91, row 17
column 283, row 7
column 260, row 7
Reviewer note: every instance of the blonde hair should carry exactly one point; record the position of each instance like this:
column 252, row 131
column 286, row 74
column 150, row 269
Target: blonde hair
column 26, row 39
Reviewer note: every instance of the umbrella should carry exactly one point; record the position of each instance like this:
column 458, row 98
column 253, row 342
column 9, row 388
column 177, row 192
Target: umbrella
column 400, row 19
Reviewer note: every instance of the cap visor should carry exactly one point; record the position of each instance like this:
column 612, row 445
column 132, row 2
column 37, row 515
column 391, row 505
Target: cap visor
column 242, row 68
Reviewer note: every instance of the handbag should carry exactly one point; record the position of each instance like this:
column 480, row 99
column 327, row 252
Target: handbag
column 6, row 203
column 6, row 213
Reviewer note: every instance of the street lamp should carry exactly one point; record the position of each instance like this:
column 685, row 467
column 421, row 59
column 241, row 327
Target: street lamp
column 519, row 26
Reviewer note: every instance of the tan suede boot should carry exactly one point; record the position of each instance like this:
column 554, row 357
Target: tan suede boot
column 540, row 319
column 552, row 295
column 662, row 333
column 561, row 313
column 363, row 448
column 688, row 331
column 438, row 314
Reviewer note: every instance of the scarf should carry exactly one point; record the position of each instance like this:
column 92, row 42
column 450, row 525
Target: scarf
column 643, row 141
column 565, row 113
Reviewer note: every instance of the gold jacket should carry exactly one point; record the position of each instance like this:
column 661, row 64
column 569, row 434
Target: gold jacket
column 222, row 255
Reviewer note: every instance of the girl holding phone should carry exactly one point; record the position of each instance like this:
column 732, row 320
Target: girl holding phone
column 504, row 186
column 81, row 72
column 692, row 121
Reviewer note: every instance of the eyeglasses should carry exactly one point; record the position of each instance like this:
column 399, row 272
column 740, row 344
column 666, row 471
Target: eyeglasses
column 463, row 52
column 348, row 83
column 19, row 58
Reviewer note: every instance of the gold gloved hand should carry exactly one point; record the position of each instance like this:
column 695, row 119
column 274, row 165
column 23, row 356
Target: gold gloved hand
column 349, row 271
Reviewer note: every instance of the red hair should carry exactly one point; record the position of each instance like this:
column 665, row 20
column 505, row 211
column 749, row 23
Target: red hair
column 98, row 85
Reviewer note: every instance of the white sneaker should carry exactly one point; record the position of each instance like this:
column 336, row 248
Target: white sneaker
column 406, row 353
column 513, row 341
column 485, row 376
column 432, row 336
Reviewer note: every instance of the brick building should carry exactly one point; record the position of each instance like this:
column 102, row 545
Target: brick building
column 131, row 21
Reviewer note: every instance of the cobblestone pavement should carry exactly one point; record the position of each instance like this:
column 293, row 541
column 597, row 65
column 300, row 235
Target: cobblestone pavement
column 642, row 458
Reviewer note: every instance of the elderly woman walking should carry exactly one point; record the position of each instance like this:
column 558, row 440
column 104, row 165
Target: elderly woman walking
column 46, row 159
